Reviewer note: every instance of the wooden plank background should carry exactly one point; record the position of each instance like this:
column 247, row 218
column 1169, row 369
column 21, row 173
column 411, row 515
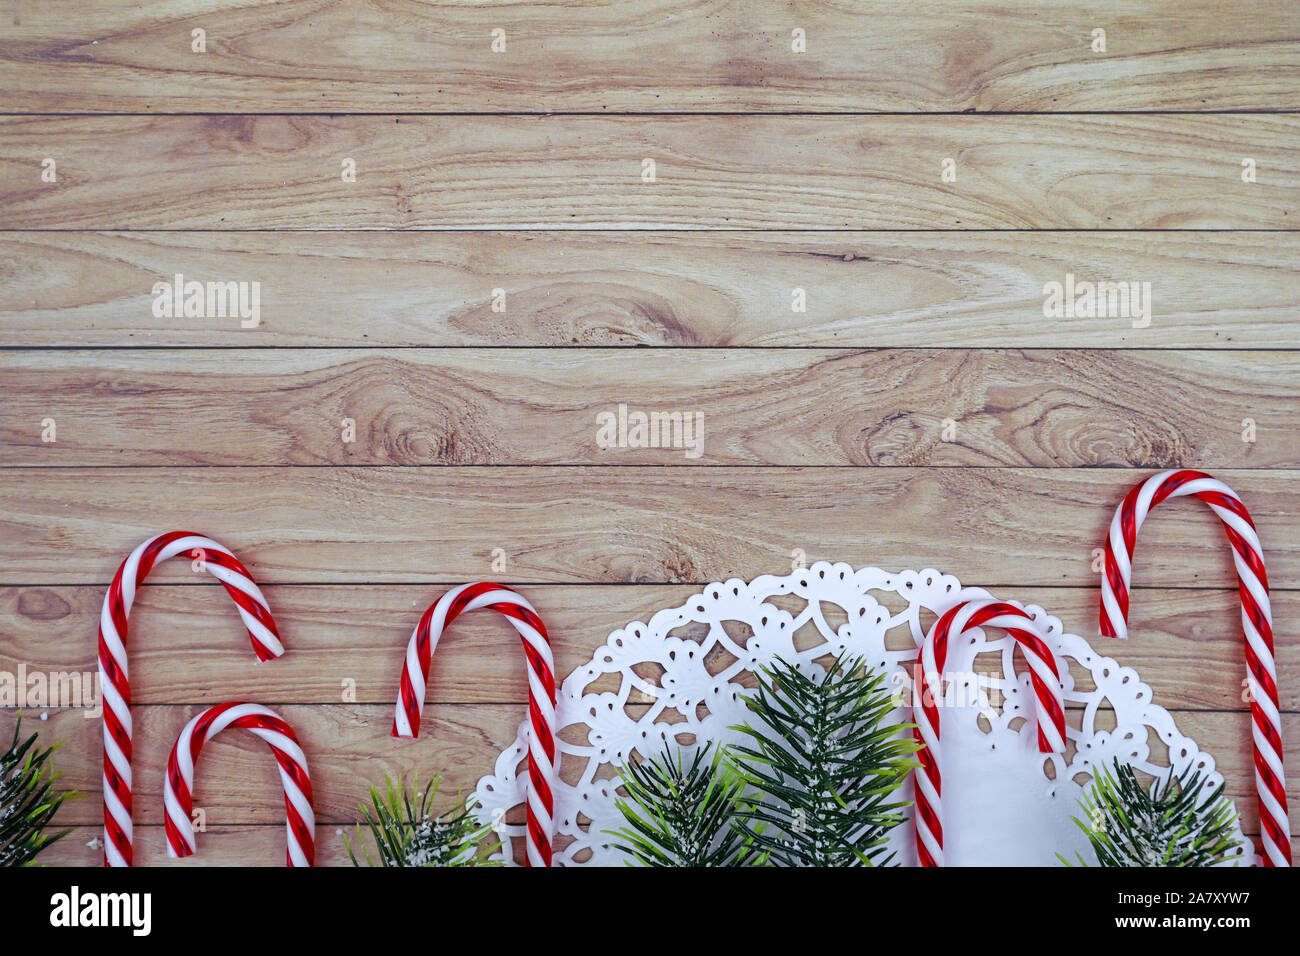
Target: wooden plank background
column 500, row 273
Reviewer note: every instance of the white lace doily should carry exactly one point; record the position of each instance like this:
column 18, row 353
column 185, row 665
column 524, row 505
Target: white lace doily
column 681, row 676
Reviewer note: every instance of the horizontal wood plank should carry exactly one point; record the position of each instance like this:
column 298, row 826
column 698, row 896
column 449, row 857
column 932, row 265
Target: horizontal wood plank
column 656, row 55
column 576, row 172
column 634, row 524
column 348, row 747
column 186, row 645
column 725, row 407
column 1216, row 289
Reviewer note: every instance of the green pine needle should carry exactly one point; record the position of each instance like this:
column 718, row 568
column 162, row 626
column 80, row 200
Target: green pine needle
column 405, row 831
column 28, row 799
column 828, row 764
column 1171, row 823
column 684, row 814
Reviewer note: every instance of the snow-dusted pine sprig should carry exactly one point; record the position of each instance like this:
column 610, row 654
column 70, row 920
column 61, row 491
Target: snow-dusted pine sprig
column 28, row 799
column 828, row 763
column 684, row 813
column 405, row 831
column 1173, row 822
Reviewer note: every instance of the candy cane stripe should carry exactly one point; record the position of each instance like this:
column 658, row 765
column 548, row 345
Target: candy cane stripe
column 1043, row 675
column 178, row 784
column 114, row 678
column 1256, row 624
column 540, row 796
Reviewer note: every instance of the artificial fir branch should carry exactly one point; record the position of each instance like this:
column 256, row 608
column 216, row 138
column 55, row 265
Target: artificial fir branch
column 28, row 799
column 684, row 814
column 828, row 762
column 1171, row 823
column 406, row 832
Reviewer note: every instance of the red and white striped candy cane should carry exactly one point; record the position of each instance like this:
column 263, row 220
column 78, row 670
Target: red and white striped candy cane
column 1043, row 674
column 113, row 679
column 541, row 694
column 1256, row 624
column 178, row 787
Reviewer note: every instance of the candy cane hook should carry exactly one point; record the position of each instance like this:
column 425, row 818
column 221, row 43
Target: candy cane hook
column 1043, row 674
column 541, row 694
column 113, row 674
column 178, row 785
column 1256, row 625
